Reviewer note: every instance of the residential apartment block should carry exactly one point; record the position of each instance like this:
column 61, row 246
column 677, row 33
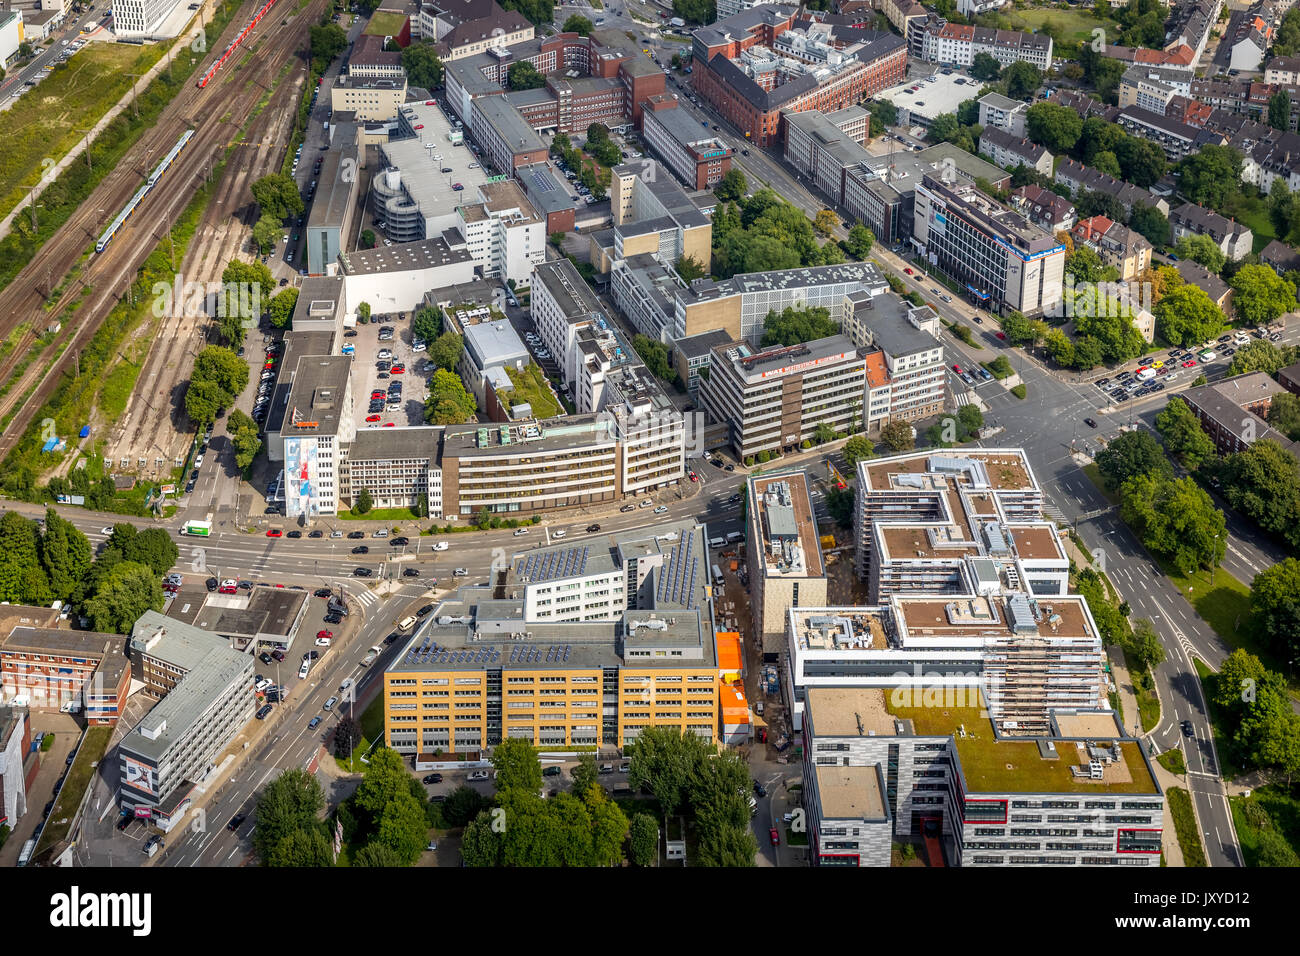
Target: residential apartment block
column 1002, row 112
column 1010, row 151
column 903, row 358
column 955, row 45
column 1233, row 238
column 1117, row 245
column 1234, row 412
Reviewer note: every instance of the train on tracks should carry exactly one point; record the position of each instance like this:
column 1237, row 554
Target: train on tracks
column 143, row 191
column 206, row 78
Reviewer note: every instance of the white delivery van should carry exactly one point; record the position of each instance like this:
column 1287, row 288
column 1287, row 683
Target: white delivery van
column 717, row 542
column 717, row 576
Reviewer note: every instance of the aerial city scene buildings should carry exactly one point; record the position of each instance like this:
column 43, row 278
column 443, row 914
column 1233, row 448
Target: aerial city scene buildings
column 698, row 435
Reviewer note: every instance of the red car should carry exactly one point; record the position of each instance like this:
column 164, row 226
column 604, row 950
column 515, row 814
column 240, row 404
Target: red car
column 372, row 418
column 324, row 634
column 274, row 533
column 694, row 477
column 909, row 272
column 956, row 368
column 378, row 394
column 420, row 126
column 390, row 424
column 774, row 835
column 399, row 370
column 1002, row 336
column 1190, row 363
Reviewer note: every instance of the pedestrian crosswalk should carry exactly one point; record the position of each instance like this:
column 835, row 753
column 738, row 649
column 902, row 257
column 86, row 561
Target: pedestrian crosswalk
column 364, row 596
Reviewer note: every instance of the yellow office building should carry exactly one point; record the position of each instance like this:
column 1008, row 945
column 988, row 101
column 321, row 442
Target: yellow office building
column 585, row 644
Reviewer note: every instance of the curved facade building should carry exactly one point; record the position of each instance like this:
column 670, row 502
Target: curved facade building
column 391, row 204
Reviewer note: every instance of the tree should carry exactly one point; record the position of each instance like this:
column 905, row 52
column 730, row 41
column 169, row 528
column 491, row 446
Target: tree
column 243, row 434
column 1130, row 455
column 462, row 805
column 347, row 737
column 1151, row 223
column 281, row 307
column 1141, row 161
column 516, row 763
column 265, row 232
column 1187, row 315
column 826, row 222
column 22, row 578
column 1059, row 347
column 1261, row 356
column 376, row 855
column 1022, row 79
column 1284, row 414
column 1144, row 645
column 423, row 66
column 481, row 843
column 1261, row 295
column 1271, row 849
column 537, row 11
column 1286, row 42
column 859, row 241
column 732, row 186
column 1085, row 265
column 985, row 67
column 677, row 62
column 364, row 502
column 222, row 366
column 384, row 780
column 66, row 556
column 696, row 11
column 363, row 312
column 1055, row 127
column 1240, row 676
column 586, row 773
column 577, row 24
column 326, row 42
column 448, row 402
column 301, row 848
column 1202, row 249
column 609, row 827
column 665, row 762
column 445, row 350
column 898, row 436
column 368, row 240
column 856, row 449
column 524, row 76
column 121, row 595
column 643, row 840
column 1106, row 162
column 1174, row 517
column 655, row 356
column 1182, row 434
column 1211, row 176
column 278, row 197
column 1279, row 110
column 690, row 269
column 426, row 325
column 1275, row 607
column 792, row 326
column 1094, row 202
column 289, row 803
column 402, row 828
column 1263, row 483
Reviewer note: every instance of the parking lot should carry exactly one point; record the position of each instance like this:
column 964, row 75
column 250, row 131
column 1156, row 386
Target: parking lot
column 1179, row 366
column 372, row 374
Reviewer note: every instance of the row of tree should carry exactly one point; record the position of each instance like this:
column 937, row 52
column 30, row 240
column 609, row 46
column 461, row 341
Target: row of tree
column 39, row 566
column 763, row 233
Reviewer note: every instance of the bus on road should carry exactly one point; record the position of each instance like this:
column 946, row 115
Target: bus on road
column 200, row 528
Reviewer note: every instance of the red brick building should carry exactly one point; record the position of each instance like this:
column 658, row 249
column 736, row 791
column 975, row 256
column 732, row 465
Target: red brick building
column 52, row 667
column 761, row 61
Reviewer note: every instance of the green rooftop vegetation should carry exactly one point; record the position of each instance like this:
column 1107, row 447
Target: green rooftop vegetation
column 990, row 765
column 385, row 24
column 531, row 386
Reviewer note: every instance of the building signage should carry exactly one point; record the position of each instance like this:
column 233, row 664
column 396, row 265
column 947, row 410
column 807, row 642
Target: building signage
column 792, row 369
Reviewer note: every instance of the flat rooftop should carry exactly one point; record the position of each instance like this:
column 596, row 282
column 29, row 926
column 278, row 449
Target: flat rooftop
column 48, row 640
column 337, row 181
column 265, row 610
column 402, row 257
column 315, row 403
column 510, row 127
column 572, row 295
column 1038, row 542
column 992, row 765
column 783, row 508
column 850, row 793
column 918, row 542
column 942, row 94
column 1001, row 470
column 839, row 628
column 921, row 617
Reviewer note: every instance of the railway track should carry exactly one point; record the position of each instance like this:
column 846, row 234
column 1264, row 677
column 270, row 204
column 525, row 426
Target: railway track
column 109, row 274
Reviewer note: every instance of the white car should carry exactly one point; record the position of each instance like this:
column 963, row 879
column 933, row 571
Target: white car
column 264, row 683
column 345, row 685
column 478, row 775
column 198, row 462
column 557, row 534
column 647, row 503
column 519, row 532
column 440, row 546
column 323, row 642
column 661, row 510
column 105, row 530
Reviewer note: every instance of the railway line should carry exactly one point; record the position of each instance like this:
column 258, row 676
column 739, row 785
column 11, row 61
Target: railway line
column 212, row 112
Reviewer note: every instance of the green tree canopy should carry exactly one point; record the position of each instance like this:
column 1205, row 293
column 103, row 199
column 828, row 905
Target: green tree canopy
column 1183, row 435
column 1187, row 315
column 1057, row 128
column 1263, row 483
column 856, row 449
column 1174, row 517
column 643, row 842
column 576, row 23
column 1023, row 80
column 427, row 323
column 66, row 556
column 278, row 197
column 23, row 580
column 448, row 402
column 423, row 66
column 985, row 67
column 281, row 307
column 859, row 241
column 1211, row 176
column 288, row 804
column 445, row 350
column 1261, row 295
column 897, row 436
column 265, row 232
column 517, row 765
column 524, row 76
column 793, row 326
column 121, row 595
column 1275, row 607
column 1130, row 455
column 1202, row 249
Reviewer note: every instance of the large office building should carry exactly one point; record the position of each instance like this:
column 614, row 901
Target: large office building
column 503, row 234
column 783, row 551
column 902, row 355
column 652, row 214
column 880, row 763
column 1005, row 262
column 140, row 18
column 370, row 98
column 766, row 62
column 207, row 698
column 644, row 290
column 329, row 224
column 696, row 156
column 739, row 306
column 55, row 668
column 775, row 399
column 580, row 645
